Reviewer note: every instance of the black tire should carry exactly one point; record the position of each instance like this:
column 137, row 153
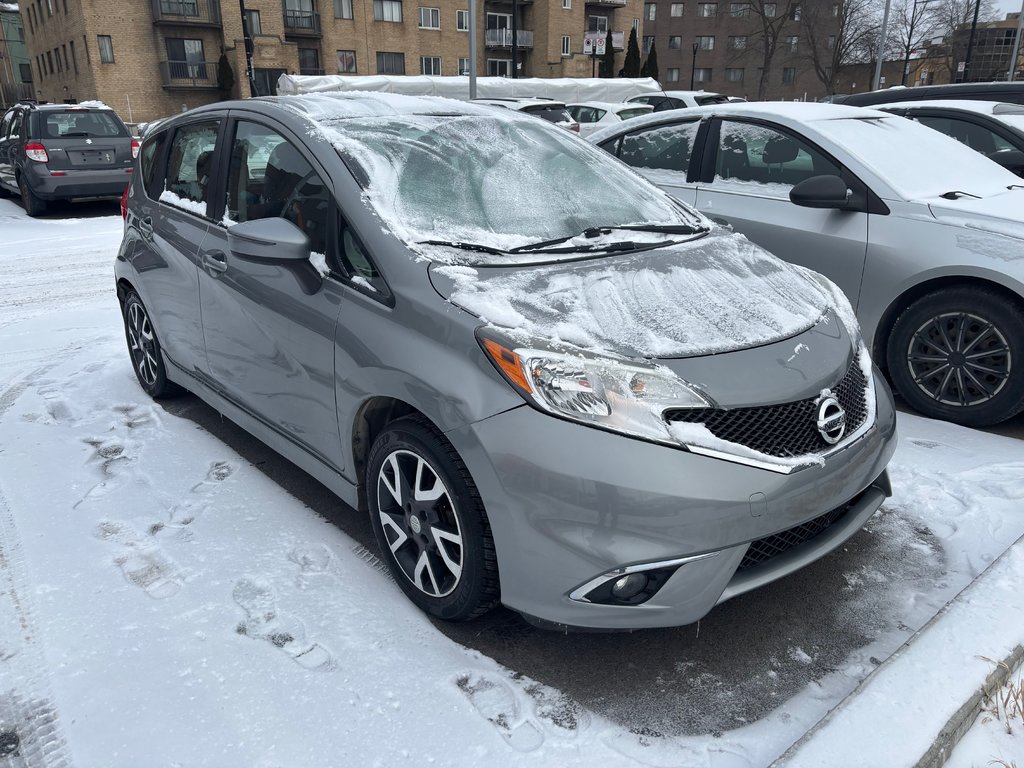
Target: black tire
column 422, row 540
column 958, row 354
column 144, row 350
column 34, row 206
column 4, row 192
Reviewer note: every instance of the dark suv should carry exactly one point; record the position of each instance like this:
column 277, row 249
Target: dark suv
column 63, row 152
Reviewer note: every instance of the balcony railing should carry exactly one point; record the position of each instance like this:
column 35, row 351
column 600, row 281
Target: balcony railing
column 301, row 23
column 502, row 38
column 201, row 12
column 608, row 3
column 189, row 74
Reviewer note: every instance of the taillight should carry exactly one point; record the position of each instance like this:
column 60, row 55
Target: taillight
column 135, row 149
column 124, row 203
column 37, row 152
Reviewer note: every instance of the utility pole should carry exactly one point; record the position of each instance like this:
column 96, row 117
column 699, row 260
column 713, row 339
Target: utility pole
column 472, row 49
column 693, row 63
column 970, row 42
column 1016, row 44
column 880, row 53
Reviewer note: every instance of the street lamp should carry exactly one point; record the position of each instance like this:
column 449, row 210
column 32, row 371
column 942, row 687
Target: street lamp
column 693, row 63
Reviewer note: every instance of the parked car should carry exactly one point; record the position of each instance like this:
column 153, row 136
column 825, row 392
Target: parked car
column 923, row 235
column 990, row 127
column 594, row 115
column 63, row 152
column 598, row 409
column 1008, row 91
column 678, row 99
column 548, row 109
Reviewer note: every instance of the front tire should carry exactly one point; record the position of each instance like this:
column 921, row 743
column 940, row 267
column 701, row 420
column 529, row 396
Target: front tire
column 144, row 349
column 430, row 522
column 958, row 354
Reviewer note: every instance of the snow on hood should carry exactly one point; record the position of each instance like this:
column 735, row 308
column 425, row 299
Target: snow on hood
column 715, row 294
column 997, row 218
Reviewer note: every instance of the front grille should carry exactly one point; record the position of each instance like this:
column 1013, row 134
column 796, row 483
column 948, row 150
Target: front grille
column 785, row 430
column 765, row 549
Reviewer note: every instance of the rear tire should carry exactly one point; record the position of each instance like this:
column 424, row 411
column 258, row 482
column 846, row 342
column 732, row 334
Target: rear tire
column 34, row 206
column 430, row 522
column 144, row 348
column 958, row 354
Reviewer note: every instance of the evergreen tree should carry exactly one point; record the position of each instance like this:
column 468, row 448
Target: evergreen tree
column 631, row 67
column 608, row 59
column 650, row 68
column 225, row 74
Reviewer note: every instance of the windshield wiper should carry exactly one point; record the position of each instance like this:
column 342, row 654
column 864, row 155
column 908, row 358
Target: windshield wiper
column 479, row 247
column 956, row 194
column 595, row 232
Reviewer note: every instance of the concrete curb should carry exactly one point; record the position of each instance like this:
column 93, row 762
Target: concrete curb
column 962, row 720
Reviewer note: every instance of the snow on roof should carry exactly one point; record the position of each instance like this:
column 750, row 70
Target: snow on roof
column 983, row 107
column 612, row 106
column 337, row 105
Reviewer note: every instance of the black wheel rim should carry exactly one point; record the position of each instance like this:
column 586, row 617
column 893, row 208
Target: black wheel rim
column 959, row 359
column 420, row 523
column 142, row 344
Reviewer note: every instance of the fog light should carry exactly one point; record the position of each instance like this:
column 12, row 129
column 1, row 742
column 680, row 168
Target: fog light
column 629, row 586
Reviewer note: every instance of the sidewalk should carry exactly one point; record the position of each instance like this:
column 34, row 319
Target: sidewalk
column 914, row 709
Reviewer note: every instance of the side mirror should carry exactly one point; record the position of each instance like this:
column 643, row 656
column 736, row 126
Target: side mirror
column 273, row 239
column 1010, row 159
column 821, row 192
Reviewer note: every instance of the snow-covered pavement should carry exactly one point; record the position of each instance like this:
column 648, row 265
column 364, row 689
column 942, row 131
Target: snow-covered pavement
column 164, row 603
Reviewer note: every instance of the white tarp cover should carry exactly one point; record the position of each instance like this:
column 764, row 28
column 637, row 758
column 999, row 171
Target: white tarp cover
column 567, row 89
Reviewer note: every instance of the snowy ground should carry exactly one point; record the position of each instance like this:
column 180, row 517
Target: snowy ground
column 164, row 603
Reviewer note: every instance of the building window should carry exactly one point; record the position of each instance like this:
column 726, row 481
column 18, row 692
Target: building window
column 56, row 55
column 499, row 67
column 769, row 10
column 707, row 10
column 252, row 20
column 387, row 10
column 463, row 67
column 49, row 8
column 791, row 43
column 597, row 23
column 185, row 59
column 347, row 62
column 648, row 43
column 675, row 41
column 64, row 51
column 835, row 10
column 430, row 18
column 567, row 4
column 737, row 42
column 462, row 21
column 788, row 75
column 390, row 63
column 106, row 49
column 430, row 65
column 636, row 24
column 309, row 61
column 26, row 72
column 795, row 13
column 566, row 45
column 706, row 42
column 734, row 74
column 343, row 9
column 702, row 75
column 739, row 9
column 673, row 75
column 650, row 9
column 831, row 42
column 675, row 9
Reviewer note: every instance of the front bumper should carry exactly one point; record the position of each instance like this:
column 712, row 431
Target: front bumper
column 109, row 182
column 568, row 503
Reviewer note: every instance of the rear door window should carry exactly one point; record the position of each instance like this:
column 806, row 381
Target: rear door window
column 190, row 166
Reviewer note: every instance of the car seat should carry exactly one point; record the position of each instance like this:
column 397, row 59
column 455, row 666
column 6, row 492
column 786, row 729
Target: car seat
column 734, row 163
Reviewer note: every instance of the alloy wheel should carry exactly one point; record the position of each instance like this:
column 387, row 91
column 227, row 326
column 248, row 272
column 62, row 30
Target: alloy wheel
column 142, row 344
column 959, row 359
column 420, row 523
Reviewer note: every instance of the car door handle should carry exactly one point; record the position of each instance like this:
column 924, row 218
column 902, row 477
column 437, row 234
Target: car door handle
column 215, row 263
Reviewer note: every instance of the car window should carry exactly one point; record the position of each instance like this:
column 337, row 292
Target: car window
column 190, row 167
column 668, row 102
column 587, row 114
column 5, row 124
column 977, row 137
column 269, row 177
column 147, row 158
column 626, row 114
column 81, row 124
column 763, row 155
column 667, row 147
column 702, row 100
column 549, row 113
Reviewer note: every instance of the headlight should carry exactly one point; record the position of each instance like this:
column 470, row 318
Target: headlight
column 620, row 395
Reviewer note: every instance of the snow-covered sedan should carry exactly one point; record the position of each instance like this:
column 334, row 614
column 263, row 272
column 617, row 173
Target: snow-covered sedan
column 599, row 409
column 924, row 235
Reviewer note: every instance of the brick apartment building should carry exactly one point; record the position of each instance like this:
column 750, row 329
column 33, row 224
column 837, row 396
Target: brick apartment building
column 15, row 70
column 718, row 44
column 150, row 58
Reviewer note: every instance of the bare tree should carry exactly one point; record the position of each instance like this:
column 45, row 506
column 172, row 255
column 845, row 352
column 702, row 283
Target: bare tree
column 912, row 23
column 768, row 20
column 953, row 25
column 839, row 35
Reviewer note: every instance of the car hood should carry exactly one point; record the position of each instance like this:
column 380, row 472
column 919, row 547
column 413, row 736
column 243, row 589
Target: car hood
column 998, row 214
column 713, row 294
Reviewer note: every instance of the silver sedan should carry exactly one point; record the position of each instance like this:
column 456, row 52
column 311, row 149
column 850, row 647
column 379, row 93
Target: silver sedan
column 924, row 235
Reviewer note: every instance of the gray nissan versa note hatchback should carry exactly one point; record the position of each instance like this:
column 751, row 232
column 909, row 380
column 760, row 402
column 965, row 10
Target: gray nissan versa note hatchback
column 549, row 384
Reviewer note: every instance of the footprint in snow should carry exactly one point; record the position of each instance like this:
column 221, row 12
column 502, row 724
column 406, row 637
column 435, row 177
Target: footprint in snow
column 264, row 622
column 497, row 703
column 189, row 510
column 143, row 564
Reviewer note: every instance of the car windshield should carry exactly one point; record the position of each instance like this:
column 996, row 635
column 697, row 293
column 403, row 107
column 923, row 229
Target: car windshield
column 499, row 182
column 917, row 162
column 81, row 124
column 1014, row 120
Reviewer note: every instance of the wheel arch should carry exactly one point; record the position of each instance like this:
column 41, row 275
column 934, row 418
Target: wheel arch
column 888, row 318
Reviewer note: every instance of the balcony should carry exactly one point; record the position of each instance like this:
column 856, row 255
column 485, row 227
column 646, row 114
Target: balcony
column 201, row 13
column 189, row 74
column 607, row 3
column 502, row 38
column 301, row 23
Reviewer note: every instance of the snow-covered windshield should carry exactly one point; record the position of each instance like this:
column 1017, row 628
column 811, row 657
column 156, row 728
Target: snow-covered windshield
column 916, row 161
column 501, row 182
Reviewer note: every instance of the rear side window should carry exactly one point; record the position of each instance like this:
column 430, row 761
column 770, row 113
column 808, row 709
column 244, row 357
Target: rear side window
column 702, row 100
column 79, row 124
column 551, row 114
column 666, row 148
column 626, row 114
column 147, row 158
column 190, row 167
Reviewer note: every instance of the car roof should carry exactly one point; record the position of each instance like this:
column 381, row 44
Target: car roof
column 521, row 102
column 994, row 91
column 982, row 107
column 349, row 104
column 612, row 106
